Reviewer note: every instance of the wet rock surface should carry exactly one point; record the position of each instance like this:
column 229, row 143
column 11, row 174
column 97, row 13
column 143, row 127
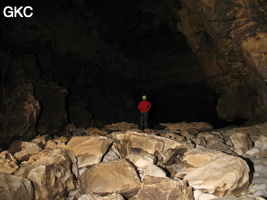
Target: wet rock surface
column 134, row 165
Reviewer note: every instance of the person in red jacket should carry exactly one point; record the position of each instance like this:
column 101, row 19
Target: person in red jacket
column 144, row 107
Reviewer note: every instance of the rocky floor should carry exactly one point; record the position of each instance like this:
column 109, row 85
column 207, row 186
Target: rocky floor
column 185, row 161
column 256, row 157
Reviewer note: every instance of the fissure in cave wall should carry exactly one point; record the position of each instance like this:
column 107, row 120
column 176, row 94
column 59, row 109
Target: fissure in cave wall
column 88, row 62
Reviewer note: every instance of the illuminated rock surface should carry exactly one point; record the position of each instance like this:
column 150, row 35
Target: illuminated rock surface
column 140, row 165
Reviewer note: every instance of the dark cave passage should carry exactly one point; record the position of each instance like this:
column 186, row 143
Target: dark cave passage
column 188, row 104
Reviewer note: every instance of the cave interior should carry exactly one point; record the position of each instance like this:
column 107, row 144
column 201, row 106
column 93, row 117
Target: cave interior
column 89, row 62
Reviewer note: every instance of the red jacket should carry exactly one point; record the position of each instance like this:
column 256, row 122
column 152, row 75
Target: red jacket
column 144, row 106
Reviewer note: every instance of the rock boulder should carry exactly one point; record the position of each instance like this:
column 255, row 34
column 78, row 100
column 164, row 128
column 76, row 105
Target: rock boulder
column 117, row 176
column 15, row 188
column 164, row 189
column 216, row 172
column 89, row 150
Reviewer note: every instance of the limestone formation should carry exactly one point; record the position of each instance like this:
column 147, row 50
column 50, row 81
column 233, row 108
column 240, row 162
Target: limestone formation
column 51, row 175
column 15, row 188
column 96, row 197
column 137, row 165
column 78, row 68
column 141, row 160
column 261, row 143
column 121, row 126
column 112, row 154
column 192, row 128
column 152, row 170
column 95, row 132
column 216, row 172
column 20, row 105
column 241, row 141
column 57, row 143
column 89, row 149
column 235, row 41
column 212, row 138
column 19, row 114
column 8, row 164
column 117, row 176
column 175, row 136
column 149, row 143
column 41, row 140
column 24, row 155
column 165, row 189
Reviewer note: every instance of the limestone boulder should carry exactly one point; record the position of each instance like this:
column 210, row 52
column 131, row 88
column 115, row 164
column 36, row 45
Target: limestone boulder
column 41, row 140
column 112, row 154
column 51, row 175
column 19, row 145
column 95, row 132
column 216, row 172
column 211, row 138
column 253, row 151
column 81, row 132
column 261, row 143
column 193, row 127
column 15, row 187
column 8, row 163
column 75, row 193
column 164, row 148
column 57, row 143
column 262, row 154
column 96, row 197
column 200, row 141
column 241, row 141
column 153, row 170
column 61, row 140
column 141, row 160
column 175, row 136
column 117, row 176
column 164, row 189
column 27, row 153
column 174, row 169
column 89, row 150
column 50, row 145
column 121, row 126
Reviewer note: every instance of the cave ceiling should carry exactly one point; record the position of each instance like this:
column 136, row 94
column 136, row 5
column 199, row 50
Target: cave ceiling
column 134, row 40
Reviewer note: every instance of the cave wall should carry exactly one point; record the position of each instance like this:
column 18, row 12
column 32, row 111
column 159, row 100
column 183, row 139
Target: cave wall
column 230, row 39
column 28, row 102
column 19, row 107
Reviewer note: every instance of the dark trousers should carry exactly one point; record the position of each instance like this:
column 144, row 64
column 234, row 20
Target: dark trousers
column 144, row 120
